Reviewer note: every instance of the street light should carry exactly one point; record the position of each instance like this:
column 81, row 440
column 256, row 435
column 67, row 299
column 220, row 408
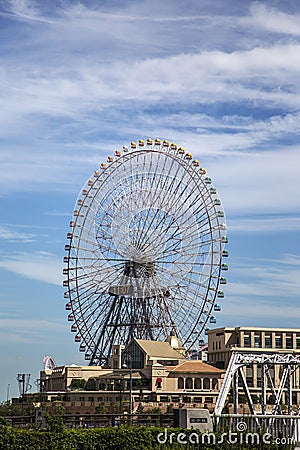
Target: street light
column 130, row 387
column 7, row 397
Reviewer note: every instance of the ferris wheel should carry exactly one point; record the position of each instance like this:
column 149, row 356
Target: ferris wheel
column 145, row 252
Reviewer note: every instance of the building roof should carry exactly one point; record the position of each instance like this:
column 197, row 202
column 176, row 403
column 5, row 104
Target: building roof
column 247, row 328
column 195, row 367
column 156, row 349
column 121, row 375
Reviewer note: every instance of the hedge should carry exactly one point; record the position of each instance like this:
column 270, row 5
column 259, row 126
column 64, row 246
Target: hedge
column 117, row 438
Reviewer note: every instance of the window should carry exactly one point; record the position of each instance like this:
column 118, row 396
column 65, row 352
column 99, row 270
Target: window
column 90, row 399
column 198, row 399
column 249, row 381
column 164, row 398
column 175, row 399
column 197, row 383
column 278, row 341
column 297, row 341
column 214, row 383
column 206, row 383
column 133, row 357
column 268, row 341
column 257, row 341
column 289, row 341
column 189, row 383
column 247, row 340
column 180, row 383
column 81, row 399
column 208, row 400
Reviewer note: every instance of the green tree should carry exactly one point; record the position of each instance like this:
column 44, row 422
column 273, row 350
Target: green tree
column 78, row 383
column 54, row 421
column 170, row 408
column 101, row 409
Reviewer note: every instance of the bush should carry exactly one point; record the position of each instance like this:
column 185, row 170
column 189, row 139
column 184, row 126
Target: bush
column 55, row 422
column 114, row 438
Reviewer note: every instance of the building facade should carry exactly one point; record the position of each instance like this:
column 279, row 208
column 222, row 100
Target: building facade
column 222, row 342
column 153, row 374
column 157, row 374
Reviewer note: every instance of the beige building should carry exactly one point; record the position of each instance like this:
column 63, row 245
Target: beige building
column 223, row 341
column 156, row 373
column 159, row 374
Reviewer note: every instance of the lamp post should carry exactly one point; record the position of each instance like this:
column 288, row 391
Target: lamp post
column 130, row 391
column 7, row 397
column 130, row 386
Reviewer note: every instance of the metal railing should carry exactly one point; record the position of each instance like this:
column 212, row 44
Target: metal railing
column 284, row 428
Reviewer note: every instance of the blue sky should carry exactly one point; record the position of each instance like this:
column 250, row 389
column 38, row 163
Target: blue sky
column 79, row 79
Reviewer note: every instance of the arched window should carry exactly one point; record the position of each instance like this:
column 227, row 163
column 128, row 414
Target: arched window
column 189, row 383
column 197, row 383
column 180, row 383
column 214, row 383
column 206, row 383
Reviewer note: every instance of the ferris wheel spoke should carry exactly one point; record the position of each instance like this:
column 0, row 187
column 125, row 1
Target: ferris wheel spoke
column 140, row 225
column 161, row 186
column 154, row 195
column 155, row 216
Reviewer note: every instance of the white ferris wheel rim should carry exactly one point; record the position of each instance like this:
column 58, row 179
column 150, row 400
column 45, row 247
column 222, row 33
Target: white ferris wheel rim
column 148, row 223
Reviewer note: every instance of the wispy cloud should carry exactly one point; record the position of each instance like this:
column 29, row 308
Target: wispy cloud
column 266, row 278
column 11, row 235
column 258, row 312
column 23, row 9
column 37, row 266
column 272, row 19
column 263, row 292
column 27, row 331
column 263, row 224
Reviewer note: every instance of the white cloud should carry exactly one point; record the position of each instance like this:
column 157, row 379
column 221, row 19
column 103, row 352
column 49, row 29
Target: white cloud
column 12, row 235
column 263, row 292
column 41, row 267
column 266, row 278
column 263, row 224
column 259, row 183
column 24, row 9
column 247, row 310
column 271, row 19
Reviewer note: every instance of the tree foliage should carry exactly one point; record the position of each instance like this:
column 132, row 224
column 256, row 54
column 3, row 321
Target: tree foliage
column 78, row 383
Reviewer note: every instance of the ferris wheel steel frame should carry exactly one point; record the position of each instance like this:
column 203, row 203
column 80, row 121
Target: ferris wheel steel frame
column 145, row 253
